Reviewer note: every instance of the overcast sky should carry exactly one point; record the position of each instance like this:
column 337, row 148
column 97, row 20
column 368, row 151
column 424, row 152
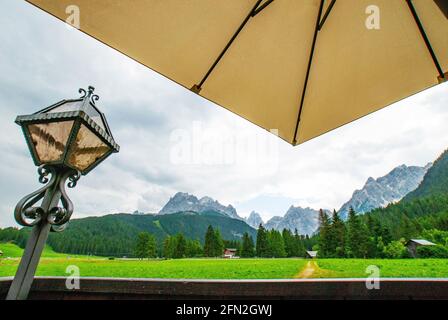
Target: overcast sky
column 172, row 140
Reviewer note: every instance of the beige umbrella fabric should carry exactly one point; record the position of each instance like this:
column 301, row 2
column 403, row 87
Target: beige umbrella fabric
column 304, row 67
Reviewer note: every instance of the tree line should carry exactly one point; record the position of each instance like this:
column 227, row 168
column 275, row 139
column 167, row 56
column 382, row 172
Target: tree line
column 381, row 233
column 367, row 236
column 276, row 244
column 271, row 244
column 177, row 246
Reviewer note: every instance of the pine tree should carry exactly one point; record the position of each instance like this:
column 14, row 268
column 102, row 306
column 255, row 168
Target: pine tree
column 337, row 237
column 408, row 228
column 291, row 245
column 262, row 246
column 276, row 244
column 386, row 235
column 165, row 249
column 380, row 248
column 169, row 247
column 375, row 242
column 324, row 235
column 209, row 244
column 180, row 247
column 194, row 248
column 357, row 236
column 370, row 223
column 219, row 244
column 300, row 244
column 145, row 246
column 151, row 246
column 247, row 249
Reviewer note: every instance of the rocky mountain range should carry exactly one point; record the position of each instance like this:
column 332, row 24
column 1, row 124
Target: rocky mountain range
column 305, row 220
column 392, row 187
column 182, row 202
column 375, row 193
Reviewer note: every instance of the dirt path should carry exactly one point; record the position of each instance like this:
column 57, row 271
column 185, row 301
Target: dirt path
column 308, row 271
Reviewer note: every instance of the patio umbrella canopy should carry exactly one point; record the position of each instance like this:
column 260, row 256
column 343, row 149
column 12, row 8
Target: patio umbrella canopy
column 303, row 67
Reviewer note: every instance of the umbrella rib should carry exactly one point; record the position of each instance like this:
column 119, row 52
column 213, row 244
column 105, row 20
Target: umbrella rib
column 258, row 10
column 327, row 12
column 425, row 39
column 443, row 6
column 197, row 87
column 310, row 62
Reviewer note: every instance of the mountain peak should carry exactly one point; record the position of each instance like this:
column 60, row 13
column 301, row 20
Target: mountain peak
column 183, row 201
column 305, row 220
column 254, row 220
column 390, row 188
column 370, row 180
column 184, row 195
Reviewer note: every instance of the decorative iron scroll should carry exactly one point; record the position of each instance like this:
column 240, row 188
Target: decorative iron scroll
column 27, row 214
column 89, row 94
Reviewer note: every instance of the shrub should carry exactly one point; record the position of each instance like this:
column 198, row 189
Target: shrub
column 395, row 250
column 436, row 251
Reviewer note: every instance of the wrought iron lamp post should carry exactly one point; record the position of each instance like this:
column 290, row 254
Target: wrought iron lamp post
column 66, row 140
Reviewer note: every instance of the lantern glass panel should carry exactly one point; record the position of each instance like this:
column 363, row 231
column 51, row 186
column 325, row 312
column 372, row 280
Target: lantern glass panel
column 87, row 149
column 50, row 139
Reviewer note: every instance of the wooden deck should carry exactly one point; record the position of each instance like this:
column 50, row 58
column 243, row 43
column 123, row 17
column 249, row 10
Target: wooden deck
column 112, row 288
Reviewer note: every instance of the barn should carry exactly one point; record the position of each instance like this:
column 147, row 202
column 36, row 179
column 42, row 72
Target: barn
column 413, row 244
column 311, row 254
column 230, row 253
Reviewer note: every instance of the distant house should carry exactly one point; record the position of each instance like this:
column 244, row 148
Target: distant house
column 311, row 254
column 230, row 253
column 413, row 244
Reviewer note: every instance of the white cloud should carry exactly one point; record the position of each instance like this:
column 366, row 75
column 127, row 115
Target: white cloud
column 45, row 62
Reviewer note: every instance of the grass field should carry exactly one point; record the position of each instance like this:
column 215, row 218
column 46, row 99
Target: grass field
column 389, row 268
column 13, row 251
column 55, row 264
column 184, row 268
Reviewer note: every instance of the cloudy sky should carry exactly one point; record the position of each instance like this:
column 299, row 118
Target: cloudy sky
column 172, row 140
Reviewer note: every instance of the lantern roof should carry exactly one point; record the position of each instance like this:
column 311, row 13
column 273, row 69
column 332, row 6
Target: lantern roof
column 70, row 133
column 83, row 107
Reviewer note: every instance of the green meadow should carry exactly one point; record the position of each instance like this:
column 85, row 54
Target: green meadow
column 181, row 268
column 55, row 264
column 389, row 268
column 13, row 251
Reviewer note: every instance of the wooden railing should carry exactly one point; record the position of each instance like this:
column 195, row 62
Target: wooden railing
column 112, row 288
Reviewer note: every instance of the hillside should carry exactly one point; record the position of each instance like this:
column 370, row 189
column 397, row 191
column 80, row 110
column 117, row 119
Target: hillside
column 408, row 214
column 435, row 181
column 11, row 250
column 115, row 234
column 425, row 207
